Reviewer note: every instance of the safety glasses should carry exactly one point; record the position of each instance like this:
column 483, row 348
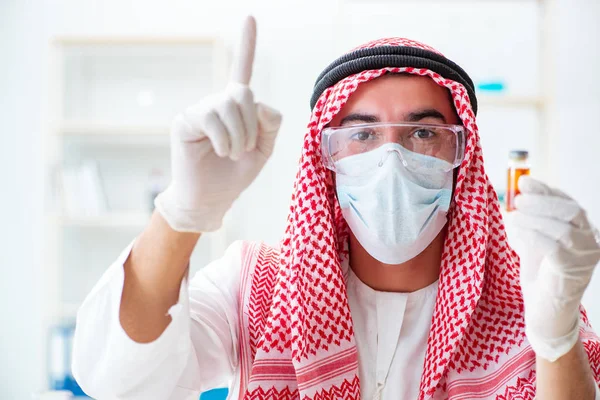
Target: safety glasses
column 421, row 147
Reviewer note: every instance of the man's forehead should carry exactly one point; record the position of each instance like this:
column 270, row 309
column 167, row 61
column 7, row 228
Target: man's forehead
column 399, row 84
column 398, row 97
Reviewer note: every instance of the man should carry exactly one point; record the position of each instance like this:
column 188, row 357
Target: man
column 394, row 279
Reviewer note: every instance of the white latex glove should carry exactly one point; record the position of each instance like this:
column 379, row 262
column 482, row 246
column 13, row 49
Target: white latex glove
column 218, row 147
column 559, row 250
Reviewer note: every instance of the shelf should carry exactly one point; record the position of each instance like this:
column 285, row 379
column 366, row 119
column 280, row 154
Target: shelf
column 115, row 220
column 487, row 100
column 94, row 129
column 114, row 133
column 159, row 135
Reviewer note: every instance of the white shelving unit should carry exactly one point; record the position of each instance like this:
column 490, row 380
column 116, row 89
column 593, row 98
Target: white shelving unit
column 112, row 103
column 486, row 101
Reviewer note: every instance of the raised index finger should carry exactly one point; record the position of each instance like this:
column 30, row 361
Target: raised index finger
column 244, row 58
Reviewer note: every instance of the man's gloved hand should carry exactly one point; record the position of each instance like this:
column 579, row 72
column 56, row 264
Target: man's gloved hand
column 559, row 250
column 218, row 147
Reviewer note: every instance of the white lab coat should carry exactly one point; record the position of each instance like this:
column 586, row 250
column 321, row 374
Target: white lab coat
column 198, row 350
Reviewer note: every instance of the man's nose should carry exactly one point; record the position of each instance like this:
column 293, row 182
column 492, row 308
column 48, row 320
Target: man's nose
column 392, row 154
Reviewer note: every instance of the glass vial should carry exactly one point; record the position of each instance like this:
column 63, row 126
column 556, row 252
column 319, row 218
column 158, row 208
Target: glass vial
column 518, row 164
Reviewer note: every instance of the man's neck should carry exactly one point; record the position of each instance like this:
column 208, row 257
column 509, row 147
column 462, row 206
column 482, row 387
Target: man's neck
column 407, row 277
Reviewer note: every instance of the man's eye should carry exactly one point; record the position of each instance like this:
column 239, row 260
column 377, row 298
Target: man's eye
column 362, row 136
column 424, row 134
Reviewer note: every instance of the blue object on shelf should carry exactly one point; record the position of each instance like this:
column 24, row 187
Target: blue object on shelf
column 60, row 343
column 68, row 383
column 491, row 86
column 215, row 394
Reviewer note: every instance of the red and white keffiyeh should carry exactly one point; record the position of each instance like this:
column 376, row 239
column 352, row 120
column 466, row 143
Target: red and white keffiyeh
column 297, row 338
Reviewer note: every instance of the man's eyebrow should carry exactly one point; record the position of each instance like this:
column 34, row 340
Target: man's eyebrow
column 356, row 117
column 416, row 116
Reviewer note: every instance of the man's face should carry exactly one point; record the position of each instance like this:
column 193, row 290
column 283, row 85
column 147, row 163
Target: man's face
column 398, row 98
column 393, row 99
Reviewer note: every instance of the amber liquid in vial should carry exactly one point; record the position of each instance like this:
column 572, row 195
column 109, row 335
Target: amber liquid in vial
column 513, row 189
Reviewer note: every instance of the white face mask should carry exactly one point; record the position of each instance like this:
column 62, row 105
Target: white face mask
column 394, row 213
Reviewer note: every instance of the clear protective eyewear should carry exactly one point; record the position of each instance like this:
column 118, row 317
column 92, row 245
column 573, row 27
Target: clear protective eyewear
column 421, row 147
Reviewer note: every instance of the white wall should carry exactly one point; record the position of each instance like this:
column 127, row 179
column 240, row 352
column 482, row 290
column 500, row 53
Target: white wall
column 577, row 109
column 292, row 35
column 21, row 96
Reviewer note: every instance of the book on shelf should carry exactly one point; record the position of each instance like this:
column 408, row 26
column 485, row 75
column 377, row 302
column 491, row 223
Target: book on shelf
column 81, row 190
